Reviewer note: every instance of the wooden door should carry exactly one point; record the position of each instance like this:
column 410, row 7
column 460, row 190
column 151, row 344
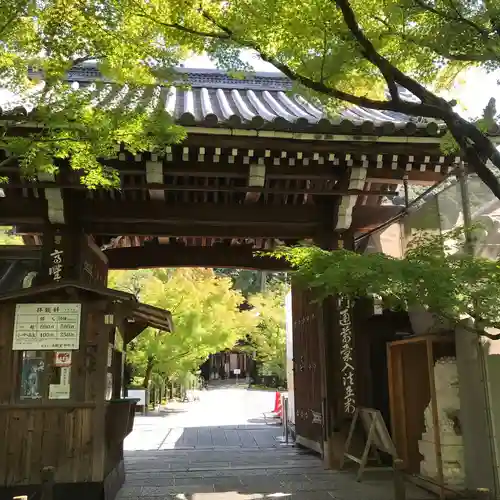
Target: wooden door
column 307, row 370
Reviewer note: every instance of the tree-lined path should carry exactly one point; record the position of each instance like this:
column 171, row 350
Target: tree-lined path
column 221, row 449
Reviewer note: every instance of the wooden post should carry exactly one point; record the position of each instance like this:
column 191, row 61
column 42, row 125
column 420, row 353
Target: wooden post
column 399, row 482
column 48, row 483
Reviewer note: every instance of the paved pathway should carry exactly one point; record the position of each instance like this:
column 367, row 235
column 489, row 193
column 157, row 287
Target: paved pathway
column 221, row 449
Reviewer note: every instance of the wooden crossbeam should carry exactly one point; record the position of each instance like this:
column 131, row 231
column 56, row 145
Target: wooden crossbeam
column 23, row 211
column 240, row 256
column 217, row 221
column 206, row 213
column 157, row 188
column 431, row 147
column 325, row 171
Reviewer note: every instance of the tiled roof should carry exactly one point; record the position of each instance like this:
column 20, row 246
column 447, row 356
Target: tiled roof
column 261, row 101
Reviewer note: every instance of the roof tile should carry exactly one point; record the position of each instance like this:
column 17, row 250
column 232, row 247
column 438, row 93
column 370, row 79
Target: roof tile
column 215, row 99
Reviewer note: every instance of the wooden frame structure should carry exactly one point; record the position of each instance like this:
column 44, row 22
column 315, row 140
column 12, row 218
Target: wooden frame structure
column 411, row 372
column 259, row 168
column 377, row 438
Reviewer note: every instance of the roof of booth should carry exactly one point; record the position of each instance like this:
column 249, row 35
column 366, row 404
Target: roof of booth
column 139, row 312
column 211, row 98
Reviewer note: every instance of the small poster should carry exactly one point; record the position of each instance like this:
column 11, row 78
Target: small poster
column 47, row 327
column 31, row 374
column 62, row 359
column 59, row 391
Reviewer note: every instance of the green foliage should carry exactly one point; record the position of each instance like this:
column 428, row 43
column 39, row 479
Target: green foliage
column 433, row 274
column 71, row 128
column 7, row 238
column 268, row 339
column 205, row 311
column 337, row 51
column 250, row 282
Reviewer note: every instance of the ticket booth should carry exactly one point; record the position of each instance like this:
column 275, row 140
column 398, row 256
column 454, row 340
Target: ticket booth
column 62, row 350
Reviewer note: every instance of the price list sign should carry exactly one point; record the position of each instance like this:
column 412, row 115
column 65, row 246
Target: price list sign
column 40, row 327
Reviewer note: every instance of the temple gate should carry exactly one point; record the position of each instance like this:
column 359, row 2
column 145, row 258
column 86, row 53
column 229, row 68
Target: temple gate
column 259, row 168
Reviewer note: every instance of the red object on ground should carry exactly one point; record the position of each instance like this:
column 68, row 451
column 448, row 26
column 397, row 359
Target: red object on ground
column 278, row 409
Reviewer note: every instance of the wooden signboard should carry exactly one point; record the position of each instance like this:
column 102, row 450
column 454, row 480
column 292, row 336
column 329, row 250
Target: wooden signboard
column 378, row 439
column 72, row 255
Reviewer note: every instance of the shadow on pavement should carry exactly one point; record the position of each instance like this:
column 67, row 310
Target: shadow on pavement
column 248, row 475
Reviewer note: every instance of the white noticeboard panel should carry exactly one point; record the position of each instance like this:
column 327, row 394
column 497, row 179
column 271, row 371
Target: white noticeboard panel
column 40, row 327
column 237, row 371
column 139, row 394
column 59, row 391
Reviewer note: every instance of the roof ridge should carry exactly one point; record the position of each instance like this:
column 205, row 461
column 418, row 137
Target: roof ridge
column 196, row 77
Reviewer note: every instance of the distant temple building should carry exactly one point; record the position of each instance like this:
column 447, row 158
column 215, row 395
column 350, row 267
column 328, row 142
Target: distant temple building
column 228, row 364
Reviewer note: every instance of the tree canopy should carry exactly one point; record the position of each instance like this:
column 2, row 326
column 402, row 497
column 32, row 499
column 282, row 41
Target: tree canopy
column 360, row 52
column 435, row 274
column 205, row 312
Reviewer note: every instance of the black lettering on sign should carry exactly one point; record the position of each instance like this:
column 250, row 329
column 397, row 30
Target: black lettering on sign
column 348, row 372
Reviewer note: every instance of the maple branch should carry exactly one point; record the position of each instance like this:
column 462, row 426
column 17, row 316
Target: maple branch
column 476, row 57
column 412, row 109
column 459, row 17
column 185, row 29
column 384, row 65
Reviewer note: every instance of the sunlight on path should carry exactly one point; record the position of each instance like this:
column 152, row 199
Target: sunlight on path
column 223, row 417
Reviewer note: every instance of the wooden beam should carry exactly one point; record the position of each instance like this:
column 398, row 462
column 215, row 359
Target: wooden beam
column 219, row 221
column 20, row 252
column 299, row 171
column 131, row 212
column 240, row 257
column 388, row 176
column 22, row 211
column 189, row 230
column 365, row 147
column 160, row 188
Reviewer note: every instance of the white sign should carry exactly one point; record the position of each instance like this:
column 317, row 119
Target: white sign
column 139, row 394
column 47, row 327
column 236, row 371
column 57, row 391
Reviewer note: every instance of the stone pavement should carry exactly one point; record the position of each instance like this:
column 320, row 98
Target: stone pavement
column 221, row 449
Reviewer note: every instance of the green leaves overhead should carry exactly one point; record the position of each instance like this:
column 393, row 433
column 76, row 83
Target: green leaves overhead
column 431, row 275
column 72, row 128
column 337, row 51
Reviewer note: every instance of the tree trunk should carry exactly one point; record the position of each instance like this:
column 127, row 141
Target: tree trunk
column 149, row 370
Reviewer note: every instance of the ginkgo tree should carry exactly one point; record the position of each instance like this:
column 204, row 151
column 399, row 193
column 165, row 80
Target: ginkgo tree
column 338, row 51
column 268, row 338
column 206, row 316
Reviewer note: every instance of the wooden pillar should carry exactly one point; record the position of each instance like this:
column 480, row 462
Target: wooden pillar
column 336, row 339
